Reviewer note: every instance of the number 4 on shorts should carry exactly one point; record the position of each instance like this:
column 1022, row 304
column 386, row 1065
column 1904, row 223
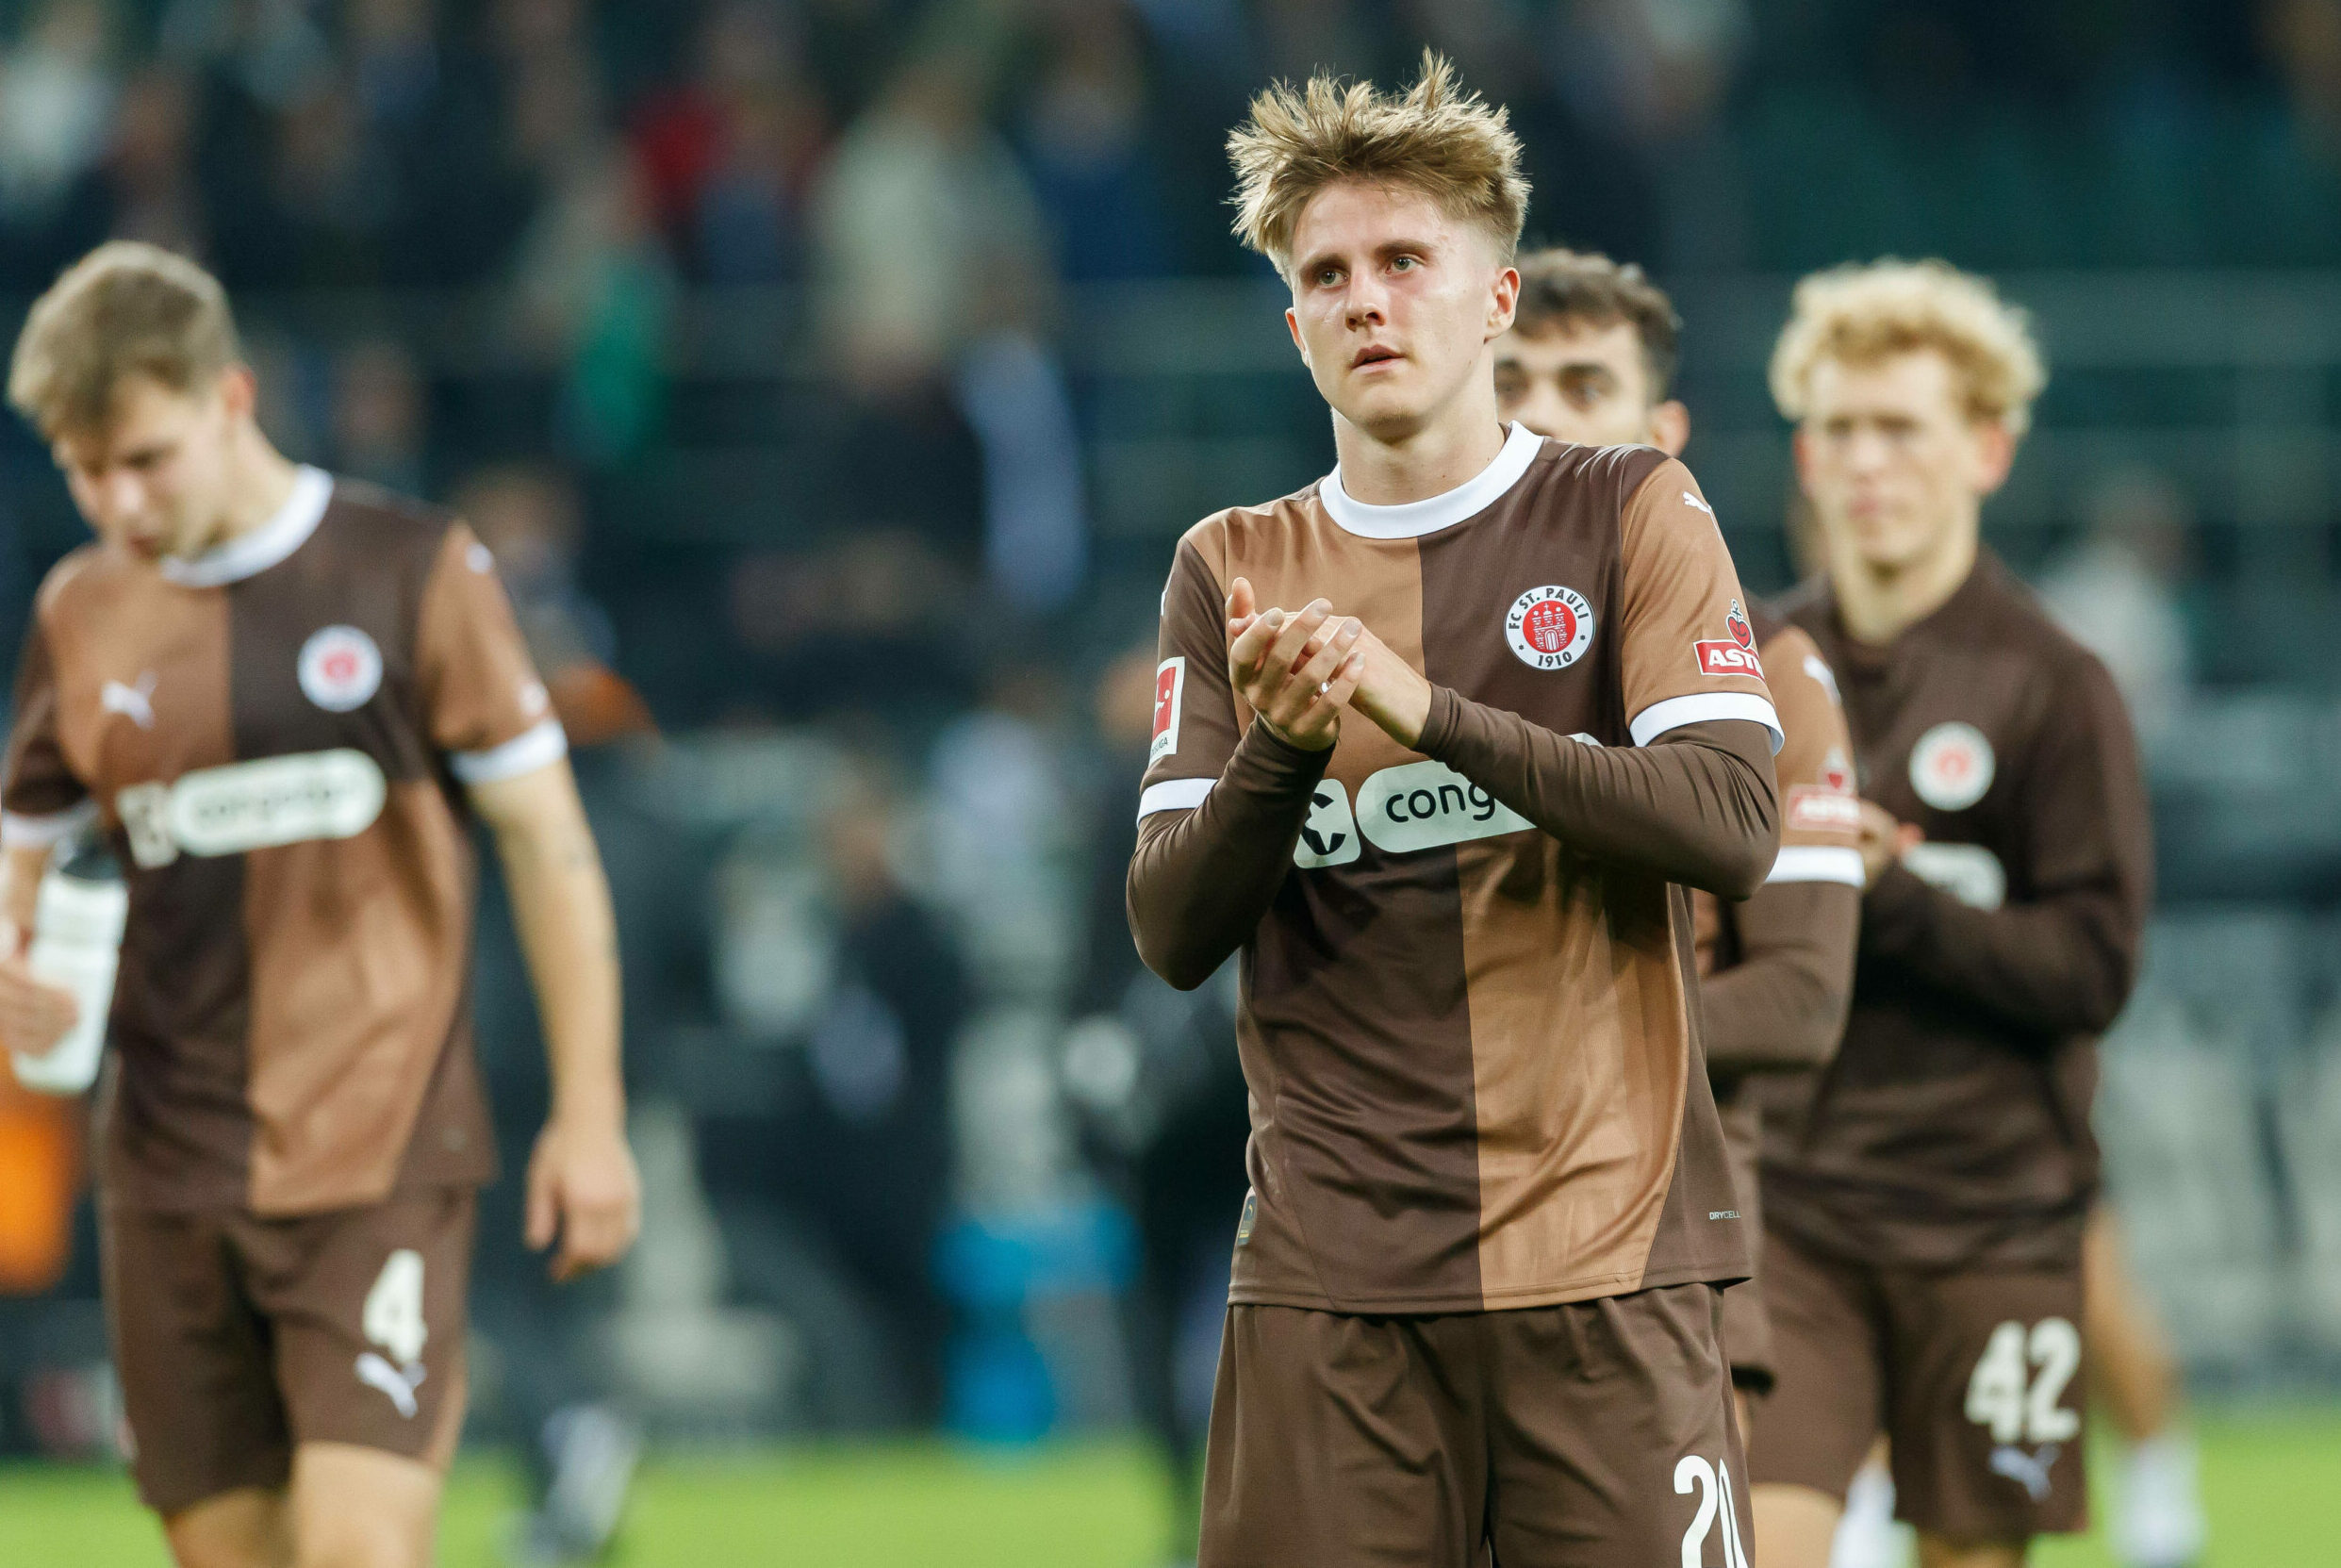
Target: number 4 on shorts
column 394, row 1315
column 2005, row 1394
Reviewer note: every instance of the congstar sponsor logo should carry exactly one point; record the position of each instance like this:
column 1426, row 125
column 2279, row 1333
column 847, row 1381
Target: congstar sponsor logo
column 1421, row 805
column 253, row 805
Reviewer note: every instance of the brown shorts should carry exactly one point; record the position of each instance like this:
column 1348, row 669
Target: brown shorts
column 1975, row 1375
column 237, row 1338
column 1594, row 1434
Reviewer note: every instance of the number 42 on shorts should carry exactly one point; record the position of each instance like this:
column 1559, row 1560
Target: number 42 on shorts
column 2015, row 1387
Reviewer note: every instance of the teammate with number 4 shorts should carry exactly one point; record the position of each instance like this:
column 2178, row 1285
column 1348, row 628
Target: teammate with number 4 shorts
column 281, row 697
column 1433, row 739
column 1925, row 1197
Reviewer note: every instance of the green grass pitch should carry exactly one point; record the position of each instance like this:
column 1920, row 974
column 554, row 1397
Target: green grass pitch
column 2272, row 1480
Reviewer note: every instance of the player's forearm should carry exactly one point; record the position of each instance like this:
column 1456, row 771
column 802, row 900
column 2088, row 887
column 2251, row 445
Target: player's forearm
column 2058, row 966
column 1782, row 1007
column 1201, row 879
column 1699, row 807
column 569, row 933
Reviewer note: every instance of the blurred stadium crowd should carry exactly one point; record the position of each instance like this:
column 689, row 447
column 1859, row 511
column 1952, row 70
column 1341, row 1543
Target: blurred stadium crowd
column 831, row 377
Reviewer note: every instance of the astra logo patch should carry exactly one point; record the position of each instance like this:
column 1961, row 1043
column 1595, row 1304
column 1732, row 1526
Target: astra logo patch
column 1732, row 655
column 1170, row 689
column 1329, row 837
column 340, row 668
column 1422, row 805
column 1550, row 628
column 253, row 805
column 1815, row 809
column 1952, row 767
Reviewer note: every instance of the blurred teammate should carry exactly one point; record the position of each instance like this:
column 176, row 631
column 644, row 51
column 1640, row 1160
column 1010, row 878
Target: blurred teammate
column 282, row 696
column 1437, row 804
column 1925, row 1197
column 1589, row 358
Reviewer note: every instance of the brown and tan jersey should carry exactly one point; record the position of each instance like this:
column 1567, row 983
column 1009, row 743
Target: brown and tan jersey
column 1466, row 1020
column 1776, row 971
column 1953, row 1126
column 275, row 735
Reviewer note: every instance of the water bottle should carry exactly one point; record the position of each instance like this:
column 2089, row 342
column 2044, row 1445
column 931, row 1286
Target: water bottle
column 77, row 946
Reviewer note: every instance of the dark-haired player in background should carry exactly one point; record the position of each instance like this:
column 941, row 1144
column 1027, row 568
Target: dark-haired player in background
column 1925, row 1197
column 1589, row 359
column 282, row 696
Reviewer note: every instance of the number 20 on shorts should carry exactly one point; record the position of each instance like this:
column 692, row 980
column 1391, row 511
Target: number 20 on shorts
column 1713, row 1482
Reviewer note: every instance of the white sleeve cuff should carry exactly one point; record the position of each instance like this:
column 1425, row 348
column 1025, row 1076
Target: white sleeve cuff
column 45, row 831
column 1173, row 795
column 1701, row 706
column 525, row 752
column 1818, row 863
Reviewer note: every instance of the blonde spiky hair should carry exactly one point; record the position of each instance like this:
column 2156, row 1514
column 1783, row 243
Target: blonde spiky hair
column 1858, row 315
column 1434, row 138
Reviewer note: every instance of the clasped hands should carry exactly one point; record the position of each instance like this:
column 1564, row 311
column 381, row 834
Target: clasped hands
column 1298, row 669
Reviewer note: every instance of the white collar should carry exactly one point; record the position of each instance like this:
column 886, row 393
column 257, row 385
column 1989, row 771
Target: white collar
column 1412, row 519
column 249, row 554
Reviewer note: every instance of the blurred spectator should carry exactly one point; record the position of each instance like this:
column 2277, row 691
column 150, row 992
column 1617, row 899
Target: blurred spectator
column 596, row 291
column 876, row 617
column 1298, row 37
column 381, row 416
column 1084, row 134
column 527, row 515
column 56, row 99
column 863, row 1159
column 730, row 152
column 927, row 235
column 1154, row 1074
column 2118, row 593
column 1006, row 838
column 1035, row 506
column 145, row 187
column 394, row 61
column 2304, row 43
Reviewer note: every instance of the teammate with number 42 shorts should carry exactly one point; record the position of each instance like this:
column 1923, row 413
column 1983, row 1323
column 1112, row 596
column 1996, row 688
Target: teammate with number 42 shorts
column 1925, row 1197
column 281, row 698
column 1434, row 741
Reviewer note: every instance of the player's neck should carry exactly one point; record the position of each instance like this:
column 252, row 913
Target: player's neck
column 1877, row 603
column 1442, row 454
column 260, row 482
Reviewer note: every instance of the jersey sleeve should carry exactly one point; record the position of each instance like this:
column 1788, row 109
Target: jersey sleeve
column 1819, row 813
column 1194, row 711
column 485, row 707
column 40, row 799
column 1688, row 650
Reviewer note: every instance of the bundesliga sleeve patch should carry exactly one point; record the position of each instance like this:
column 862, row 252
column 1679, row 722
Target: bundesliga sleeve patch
column 1170, row 688
column 1732, row 655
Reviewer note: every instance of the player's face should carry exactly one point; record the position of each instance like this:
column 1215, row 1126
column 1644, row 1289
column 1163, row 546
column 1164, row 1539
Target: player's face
column 1890, row 458
column 1394, row 303
column 154, row 480
column 1576, row 381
